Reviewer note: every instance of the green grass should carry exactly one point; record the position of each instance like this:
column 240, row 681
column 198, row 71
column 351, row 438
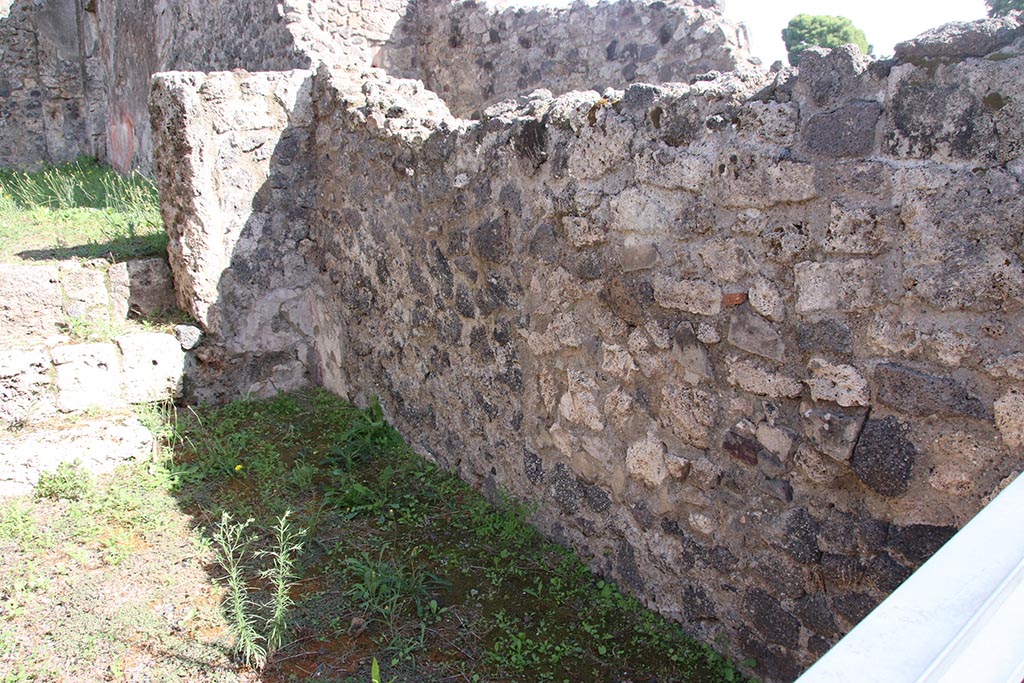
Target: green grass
column 401, row 559
column 329, row 546
column 78, row 210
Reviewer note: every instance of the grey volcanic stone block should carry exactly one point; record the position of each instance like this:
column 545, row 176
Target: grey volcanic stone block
column 815, row 615
column 801, row 537
column 918, row 393
column 885, row 573
column 883, row 457
column 841, row 570
column 151, row 288
column 765, row 613
column 828, row 76
column 188, row 336
column 853, row 606
column 824, row 335
column 697, row 604
column 773, row 662
column 918, row 542
column 846, row 132
column 958, row 39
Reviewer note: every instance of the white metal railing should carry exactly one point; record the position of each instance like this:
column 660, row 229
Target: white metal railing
column 957, row 619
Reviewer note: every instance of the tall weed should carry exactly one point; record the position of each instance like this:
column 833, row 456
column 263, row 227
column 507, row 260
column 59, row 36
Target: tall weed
column 259, row 628
column 282, row 574
column 232, row 543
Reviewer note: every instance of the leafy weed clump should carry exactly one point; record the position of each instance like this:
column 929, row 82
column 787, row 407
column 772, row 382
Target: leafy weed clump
column 68, row 482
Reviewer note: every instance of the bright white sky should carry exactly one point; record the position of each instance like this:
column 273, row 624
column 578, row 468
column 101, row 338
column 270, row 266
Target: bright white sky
column 884, row 22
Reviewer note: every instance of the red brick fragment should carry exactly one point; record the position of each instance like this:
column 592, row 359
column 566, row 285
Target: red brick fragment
column 734, row 298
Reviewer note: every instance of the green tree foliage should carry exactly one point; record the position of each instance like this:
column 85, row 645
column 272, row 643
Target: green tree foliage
column 998, row 8
column 806, row 30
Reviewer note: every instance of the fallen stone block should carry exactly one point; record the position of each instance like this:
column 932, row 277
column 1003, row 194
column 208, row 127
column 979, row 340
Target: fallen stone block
column 85, row 295
column 30, row 303
column 99, row 444
column 25, row 386
column 87, row 375
column 151, row 287
column 153, row 365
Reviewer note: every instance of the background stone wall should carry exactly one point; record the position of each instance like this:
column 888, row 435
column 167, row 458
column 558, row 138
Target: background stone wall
column 77, row 72
column 475, row 54
column 43, row 110
column 344, row 33
column 751, row 344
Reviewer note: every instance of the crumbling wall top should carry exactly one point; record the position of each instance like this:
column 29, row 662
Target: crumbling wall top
column 474, row 55
column 959, row 40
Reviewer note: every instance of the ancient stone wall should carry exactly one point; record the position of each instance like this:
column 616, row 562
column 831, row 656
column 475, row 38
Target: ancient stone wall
column 233, row 159
column 42, row 94
column 751, row 344
column 475, row 54
column 77, row 72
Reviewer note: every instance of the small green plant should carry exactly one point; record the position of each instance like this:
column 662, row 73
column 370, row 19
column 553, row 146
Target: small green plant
column 369, row 435
column 385, row 498
column 505, row 522
column 382, row 589
column 301, row 476
column 282, row 574
column 24, row 190
column 232, row 543
column 17, row 524
column 160, row 417
column 61, row 188
column 68, row 482
column 259, row 628
column 82, row 328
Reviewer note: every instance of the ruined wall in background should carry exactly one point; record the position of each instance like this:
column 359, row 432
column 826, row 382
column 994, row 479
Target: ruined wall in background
column 138, row 38
column 474, row 54
column 344, row 33
column 77, row 72
column 42, row 93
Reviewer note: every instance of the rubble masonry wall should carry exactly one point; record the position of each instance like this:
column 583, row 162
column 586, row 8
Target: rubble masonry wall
column 77, row 72
column 475, row 54
column 751, row 344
